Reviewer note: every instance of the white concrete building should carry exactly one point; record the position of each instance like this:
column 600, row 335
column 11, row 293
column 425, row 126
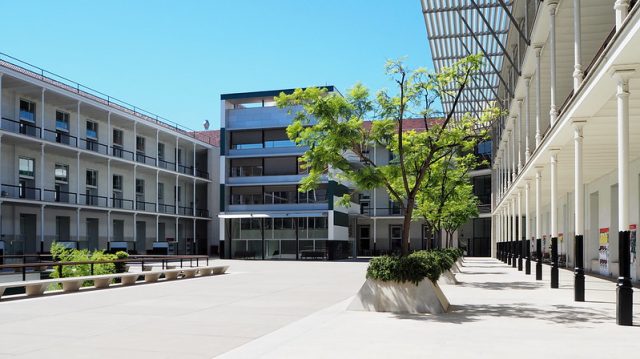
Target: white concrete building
column 88, row 170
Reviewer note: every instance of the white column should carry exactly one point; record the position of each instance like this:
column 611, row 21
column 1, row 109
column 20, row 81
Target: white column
column 527, row 225
column 78, row 177
column 109, row 135
column 622, row 10
column 42, row 115
column 577, row 62
column 553, row 112
column 527, row 150
column 78, row 125
column 554, row 193
column 514, row 166
column 538, row 204
column 518, row 122
column 42, row 175
column 538, row 50
column 578, row 184
column 157, row 228
column 78, row 225
column 1, row 94
column 623, row 148
column 519, row 219
column 514, row 221
column 175, row 196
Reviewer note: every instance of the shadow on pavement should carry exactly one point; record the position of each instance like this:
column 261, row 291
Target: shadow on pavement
column 504, row 285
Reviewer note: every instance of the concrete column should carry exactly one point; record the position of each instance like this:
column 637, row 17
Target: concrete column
column 554, row 218
column 42, row 114
column 578, row 186
column 538, row 50
column 518, row 122
column 78, row 177
column 41, row 177
column 527, row 228
column 538, row 223
column 553, row 112
column 42, row 228
column 1, row 94
column 175, row 196
column 577, row 62
column 622, row 10
column 514, row 234
column 514, row 166
column 527, row 150
column 519, row 229
column 510, row 231
column 78, row 225
column 624, row 300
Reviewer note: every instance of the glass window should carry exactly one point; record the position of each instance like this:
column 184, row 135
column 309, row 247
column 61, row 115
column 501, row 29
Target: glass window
column 140, row 144
column 118, row 137
column 92, row 178
column 27, row 167
column 27, row 111
column 277, row 138
column 246, row 139
column 139, row 186
column 61, row 173
column 160, row 192
column 92, row 130
column 161, row 151
column 62, row 121
column 117, row 182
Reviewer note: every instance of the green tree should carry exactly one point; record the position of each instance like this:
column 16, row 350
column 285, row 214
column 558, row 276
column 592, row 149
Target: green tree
column 332, row 127
column 447, row 200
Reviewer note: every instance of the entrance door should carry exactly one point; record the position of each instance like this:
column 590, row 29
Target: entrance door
column 28, row 224
column 161, row 232
column 395, row 238
column 93, row 226
column 364, row 240
column 141, row 237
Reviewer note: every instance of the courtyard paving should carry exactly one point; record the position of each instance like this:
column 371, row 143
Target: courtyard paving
column 297, row 309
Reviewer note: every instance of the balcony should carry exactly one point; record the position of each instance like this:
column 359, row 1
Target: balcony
column 382, row 212
column 118, row 151
column 60, row 196
column 166, row 208
column 20, row 192
column 121, row 203
column 23, row 128
column 93, row 145
column 147, row 160
column 93, row 200
column 60, row 137
column 145, row 206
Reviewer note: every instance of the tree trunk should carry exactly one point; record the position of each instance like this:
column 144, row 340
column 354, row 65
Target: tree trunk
column 406, row 227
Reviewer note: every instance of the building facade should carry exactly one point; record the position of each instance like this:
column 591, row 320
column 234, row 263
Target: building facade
column 262, row 214
column 89, row 171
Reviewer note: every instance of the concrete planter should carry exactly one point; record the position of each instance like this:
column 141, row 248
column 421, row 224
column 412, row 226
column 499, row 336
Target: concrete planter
column 448, row 277
column 455, row 268
column 378, row 296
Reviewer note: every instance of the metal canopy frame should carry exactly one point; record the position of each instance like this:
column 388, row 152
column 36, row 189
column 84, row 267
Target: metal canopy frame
column 458, row 28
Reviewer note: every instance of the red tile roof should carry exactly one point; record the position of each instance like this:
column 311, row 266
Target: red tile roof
column 210, row 136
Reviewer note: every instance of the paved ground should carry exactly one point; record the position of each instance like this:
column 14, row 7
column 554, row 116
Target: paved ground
column 297, row 309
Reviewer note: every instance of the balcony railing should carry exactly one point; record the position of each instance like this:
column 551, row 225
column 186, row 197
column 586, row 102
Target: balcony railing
column 202, row 174
column 60, row 137
column 24, row 128
column 147, row 160
column 185, row 169
column 117, row 151
column 60, row 196
column 202, row 212
column 20, row 192
column 166, row 208
column 93, row 145
column 185, row 211
column 166, row 164
column 121, row 203
column 145, row 206
column 93, row 200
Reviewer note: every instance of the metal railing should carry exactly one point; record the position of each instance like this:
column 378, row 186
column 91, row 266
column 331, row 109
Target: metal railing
column 60, row 137
column 166, row 208
column 20, row 192
column 60, row 196
column 117, row 151
column 166, row 164
column 93, row 200
column 87, row 92
column 93, row 145
column 121, row 203
column 21, row 127
column 147, row 160
column 145, row 206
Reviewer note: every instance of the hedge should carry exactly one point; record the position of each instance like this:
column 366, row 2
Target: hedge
column 413, row 267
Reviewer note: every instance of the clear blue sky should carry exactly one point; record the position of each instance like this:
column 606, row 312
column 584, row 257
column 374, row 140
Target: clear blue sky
column 175, row 58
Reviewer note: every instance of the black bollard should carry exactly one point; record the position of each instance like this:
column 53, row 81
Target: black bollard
column 538, row 259
column 579, row 270
column 554, row 262
column 508, row 245
column 624, row 291
column 514, row 255
column 519, row 248
column 527, row 264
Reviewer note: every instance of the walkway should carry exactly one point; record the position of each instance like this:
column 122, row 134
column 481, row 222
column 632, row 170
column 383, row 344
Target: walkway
column 297, row 309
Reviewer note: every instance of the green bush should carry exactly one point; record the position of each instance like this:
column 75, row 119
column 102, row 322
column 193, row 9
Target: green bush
column 412, row 268
column 62, row 254
column 120, row 266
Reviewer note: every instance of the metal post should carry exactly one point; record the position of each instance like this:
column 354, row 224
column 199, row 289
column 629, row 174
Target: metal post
column 554, row 218
column 527, row 265
column 579, row 213
column 538, row 224
column 514, row 235
column 519, row 231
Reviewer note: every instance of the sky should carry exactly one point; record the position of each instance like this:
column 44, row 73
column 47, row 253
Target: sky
column 175, row 58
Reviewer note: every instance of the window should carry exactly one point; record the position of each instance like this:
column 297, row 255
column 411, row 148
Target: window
column 92, row 178
column 61, row 173
column 160, row 151
column 92, row 130
column 27, row 167
column 117, row 182
column 160, row 192
column 27, row 111
column 139, row 186
column 179, row 156
column 140, row 144
column 118, row 137
column 62, row 121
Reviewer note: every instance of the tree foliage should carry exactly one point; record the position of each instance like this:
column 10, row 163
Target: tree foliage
column 332, row 127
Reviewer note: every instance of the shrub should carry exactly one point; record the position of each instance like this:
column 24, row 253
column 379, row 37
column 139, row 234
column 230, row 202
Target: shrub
column 412, row 268
column 120, row 266
column 62, row 254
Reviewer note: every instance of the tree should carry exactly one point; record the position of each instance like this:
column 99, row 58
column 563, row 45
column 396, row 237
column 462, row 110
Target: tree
column 446, row 200
column 332, row 125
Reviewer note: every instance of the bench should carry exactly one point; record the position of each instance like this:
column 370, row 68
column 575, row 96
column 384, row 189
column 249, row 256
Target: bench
column 73, row 284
